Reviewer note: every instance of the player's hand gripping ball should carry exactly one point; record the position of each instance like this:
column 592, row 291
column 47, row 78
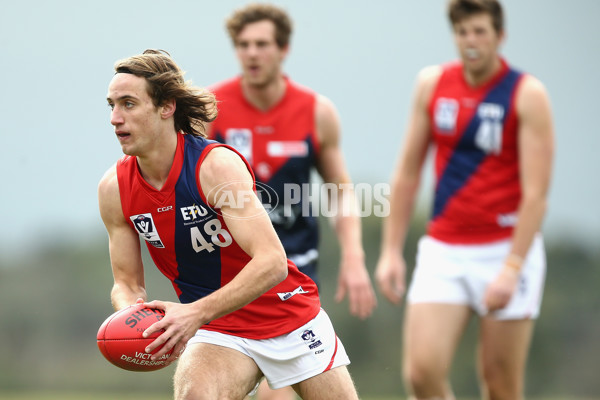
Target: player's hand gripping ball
column 121, row 342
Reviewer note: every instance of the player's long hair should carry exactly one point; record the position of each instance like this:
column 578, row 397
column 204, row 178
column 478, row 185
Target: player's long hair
column 259, row 12
column 195, row 106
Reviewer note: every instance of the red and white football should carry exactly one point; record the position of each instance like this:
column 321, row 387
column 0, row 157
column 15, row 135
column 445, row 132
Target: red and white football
column 121, row 342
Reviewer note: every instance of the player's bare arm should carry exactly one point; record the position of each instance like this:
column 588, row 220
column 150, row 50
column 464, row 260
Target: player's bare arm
column 251, row 228
column 124, row 245
column 390, row 272
column 536, row 149
column 353, row 277
column 536, row 144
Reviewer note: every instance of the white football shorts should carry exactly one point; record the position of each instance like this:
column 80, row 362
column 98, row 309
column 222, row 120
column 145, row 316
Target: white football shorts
column 291, row 358
column 460, row 274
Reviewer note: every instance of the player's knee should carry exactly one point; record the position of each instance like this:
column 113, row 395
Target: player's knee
column 500, row 383
column 419, row 377
column 496, row 390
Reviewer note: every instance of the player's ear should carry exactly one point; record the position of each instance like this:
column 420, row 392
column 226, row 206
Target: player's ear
column 168, row 109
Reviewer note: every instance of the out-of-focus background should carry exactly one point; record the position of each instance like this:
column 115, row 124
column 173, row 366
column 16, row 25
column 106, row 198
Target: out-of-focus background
column 56, row 142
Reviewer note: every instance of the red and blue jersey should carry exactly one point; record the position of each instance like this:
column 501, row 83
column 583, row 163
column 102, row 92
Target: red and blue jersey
column 477, row 190
column 281, row 146
column 191, row 245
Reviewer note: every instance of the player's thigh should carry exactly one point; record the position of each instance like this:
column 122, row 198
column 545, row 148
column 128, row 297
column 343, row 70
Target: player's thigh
column 432, row 332
column 504, row 345
column 208, row 371
column 335, row 384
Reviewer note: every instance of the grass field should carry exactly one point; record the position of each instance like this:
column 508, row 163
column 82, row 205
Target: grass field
column 145, row 396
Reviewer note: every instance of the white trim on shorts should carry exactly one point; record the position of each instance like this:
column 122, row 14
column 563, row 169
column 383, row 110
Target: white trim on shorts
column 459, row 274
column 290, row 358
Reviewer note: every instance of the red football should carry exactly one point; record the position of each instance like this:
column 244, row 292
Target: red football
column 121, row 342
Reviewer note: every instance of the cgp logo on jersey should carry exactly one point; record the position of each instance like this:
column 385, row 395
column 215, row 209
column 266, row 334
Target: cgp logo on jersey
column 144, row 225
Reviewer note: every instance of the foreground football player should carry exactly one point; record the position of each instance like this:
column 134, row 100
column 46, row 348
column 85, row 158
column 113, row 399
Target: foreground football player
column 246, row 311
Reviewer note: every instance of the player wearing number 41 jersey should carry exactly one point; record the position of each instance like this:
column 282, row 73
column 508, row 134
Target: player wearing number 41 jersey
column 476, row 165
column 483, row 254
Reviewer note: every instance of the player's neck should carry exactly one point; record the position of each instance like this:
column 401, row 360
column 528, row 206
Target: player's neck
column 264, row 96
column 479, row 77
column 155, row 165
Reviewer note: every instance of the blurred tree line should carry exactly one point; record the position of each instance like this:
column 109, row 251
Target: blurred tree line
column 53, row 299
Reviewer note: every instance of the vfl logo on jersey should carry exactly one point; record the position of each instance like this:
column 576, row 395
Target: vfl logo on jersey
column 295, row 148
column 241, row 140
column 311, row 340
column 489, row 134
column 144, row 225
column 445, row 113
column 288, row 295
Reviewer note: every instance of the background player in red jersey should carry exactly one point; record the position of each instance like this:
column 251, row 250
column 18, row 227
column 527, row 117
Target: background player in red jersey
column 482, row 252
column 285, row 131
column 246, row 312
